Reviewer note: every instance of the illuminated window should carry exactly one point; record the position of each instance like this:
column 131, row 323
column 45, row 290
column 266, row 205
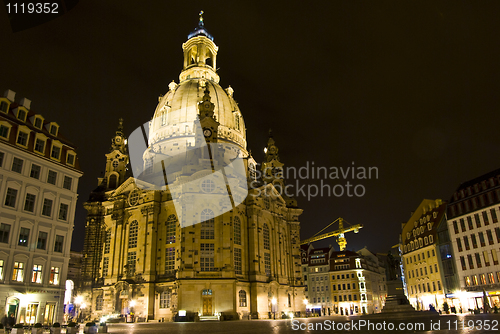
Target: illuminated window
column 482, row 277
column 37, row 274
column 165, row 299
column 474, row 280
column 491, row 278
column 54, row 276
column 18, row 272
column 243, row 298
column 1, row 270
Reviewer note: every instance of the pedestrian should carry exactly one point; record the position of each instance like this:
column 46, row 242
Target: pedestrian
column 5, row 321
column 11, row 321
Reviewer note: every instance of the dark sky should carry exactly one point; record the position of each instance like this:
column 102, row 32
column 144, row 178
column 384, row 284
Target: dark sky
column 411, row 88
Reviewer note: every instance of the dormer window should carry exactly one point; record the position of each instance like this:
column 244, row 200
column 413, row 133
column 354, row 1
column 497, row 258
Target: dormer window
column 38, row 123
column 21, row 114
column 53, row 130
column 22, row 138
column 70, row 159
column 56, row 152
column 4, row 106
column 40, row 145
column 4, row 130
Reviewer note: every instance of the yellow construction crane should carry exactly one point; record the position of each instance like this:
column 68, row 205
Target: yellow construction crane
column 337, row 233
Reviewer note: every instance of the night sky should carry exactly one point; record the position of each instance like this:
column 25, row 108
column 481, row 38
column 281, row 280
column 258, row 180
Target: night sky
column 411, row 88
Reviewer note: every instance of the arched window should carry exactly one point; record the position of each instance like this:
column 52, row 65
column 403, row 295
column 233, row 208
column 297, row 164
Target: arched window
column 237, row 231
column 207, row 225
column 171, row 229
column 165, row 299
column 132, row 234
column 243, row 298
column 99, row 301
column 112, row 181
column 266, row 236
column 237, row 121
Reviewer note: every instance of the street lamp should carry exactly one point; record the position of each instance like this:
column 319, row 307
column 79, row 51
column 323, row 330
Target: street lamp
column 274, row 304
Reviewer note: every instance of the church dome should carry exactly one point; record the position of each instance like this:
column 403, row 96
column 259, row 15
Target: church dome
column 177, row 111
column 172, row 126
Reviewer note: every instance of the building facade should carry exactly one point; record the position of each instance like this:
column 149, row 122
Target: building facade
column 38, row 188
column 141, row 259
column 427, row 258
column 473, row 214
column 343, row 282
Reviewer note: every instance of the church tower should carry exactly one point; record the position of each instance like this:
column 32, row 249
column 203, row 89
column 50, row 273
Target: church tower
column 140, row 256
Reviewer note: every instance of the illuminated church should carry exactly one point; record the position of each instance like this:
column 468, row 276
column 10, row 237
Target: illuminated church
column 138, row 256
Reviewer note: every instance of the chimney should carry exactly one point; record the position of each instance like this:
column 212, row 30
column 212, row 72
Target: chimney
column 25, row 103
column 10, row 95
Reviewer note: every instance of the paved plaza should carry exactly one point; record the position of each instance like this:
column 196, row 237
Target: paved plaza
column 483, row 323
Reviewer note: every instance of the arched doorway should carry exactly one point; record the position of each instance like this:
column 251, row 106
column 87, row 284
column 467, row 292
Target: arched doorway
column 12, row 306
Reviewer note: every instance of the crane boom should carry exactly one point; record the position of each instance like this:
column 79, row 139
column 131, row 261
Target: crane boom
column 339, row 233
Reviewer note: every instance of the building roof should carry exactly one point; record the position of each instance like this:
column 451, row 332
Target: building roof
column 200, row 30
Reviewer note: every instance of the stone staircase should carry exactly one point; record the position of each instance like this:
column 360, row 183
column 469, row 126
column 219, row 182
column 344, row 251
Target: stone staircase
column 209, row 318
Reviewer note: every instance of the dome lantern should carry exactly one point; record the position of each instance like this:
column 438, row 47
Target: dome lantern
column 200, row 54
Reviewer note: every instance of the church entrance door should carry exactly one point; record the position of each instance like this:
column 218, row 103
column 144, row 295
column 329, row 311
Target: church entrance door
column 207, row 305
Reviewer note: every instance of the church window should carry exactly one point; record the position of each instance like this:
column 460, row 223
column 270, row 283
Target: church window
column 131, row 260
column 163, row 118
column 133, row 198
column 266, row 237
column 253, row 173
column 207, row 225
column 208, row 186
column 169, row 260
column 237, row 231
column 206, row 292
column 165, row 299
column 237, row 261
column 132, row 234
column 107, row 242
column 267, row 263
column 207, row 257
column 243, row 298
column 115, row 163
column 171, row 229
column 99, row 301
